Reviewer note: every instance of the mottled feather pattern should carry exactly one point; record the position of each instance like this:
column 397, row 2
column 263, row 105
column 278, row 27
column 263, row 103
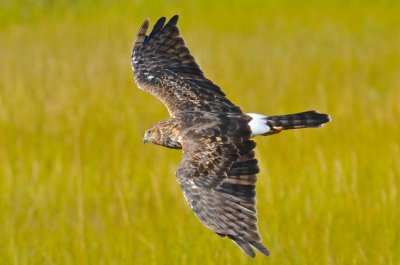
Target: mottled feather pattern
column 218, row 170
column 218, row 173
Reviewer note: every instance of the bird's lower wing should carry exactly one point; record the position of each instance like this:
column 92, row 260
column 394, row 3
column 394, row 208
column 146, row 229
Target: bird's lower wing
column 218, row 177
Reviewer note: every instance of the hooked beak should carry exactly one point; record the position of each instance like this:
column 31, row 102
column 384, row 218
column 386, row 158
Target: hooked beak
column 145, row 138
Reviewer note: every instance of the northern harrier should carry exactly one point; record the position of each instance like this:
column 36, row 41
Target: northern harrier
column 218, row 169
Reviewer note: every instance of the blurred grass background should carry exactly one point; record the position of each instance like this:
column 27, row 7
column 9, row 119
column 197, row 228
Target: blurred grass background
column 78, row 187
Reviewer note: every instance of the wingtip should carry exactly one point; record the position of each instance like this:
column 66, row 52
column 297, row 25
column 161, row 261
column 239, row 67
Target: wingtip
column 260, row 247
column 244, row 245
column 145, row 25
column 158, row 26
column 174, row 20
column 160, row 22
column 141, row 35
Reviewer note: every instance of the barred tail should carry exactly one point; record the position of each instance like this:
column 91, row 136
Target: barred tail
column 307, row 119
column 266, row 125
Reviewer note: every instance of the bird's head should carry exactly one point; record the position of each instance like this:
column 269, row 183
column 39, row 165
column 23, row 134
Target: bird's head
column 163, row 134
column 152, row 135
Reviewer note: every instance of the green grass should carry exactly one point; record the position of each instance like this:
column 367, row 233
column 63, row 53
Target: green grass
column 77, row 186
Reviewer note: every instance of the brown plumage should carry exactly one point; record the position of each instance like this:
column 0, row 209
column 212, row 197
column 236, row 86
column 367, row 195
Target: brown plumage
column 218, row 171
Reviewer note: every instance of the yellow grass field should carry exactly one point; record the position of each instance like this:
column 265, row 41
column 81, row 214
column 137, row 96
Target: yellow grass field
column 77, row 186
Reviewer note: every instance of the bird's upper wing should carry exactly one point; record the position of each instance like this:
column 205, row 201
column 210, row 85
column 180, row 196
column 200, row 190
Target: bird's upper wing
column 164, row 67
column 218, row 175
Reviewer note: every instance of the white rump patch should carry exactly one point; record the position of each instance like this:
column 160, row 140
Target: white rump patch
column 150, row 77
column 258, row 124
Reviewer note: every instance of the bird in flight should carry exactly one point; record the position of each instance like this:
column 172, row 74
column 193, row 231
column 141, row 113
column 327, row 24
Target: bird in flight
column 218, row 170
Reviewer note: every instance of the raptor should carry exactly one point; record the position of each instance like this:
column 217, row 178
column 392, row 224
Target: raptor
column 218, row 170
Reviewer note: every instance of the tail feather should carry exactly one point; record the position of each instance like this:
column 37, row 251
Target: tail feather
column 267, row 125
column 307, row 119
